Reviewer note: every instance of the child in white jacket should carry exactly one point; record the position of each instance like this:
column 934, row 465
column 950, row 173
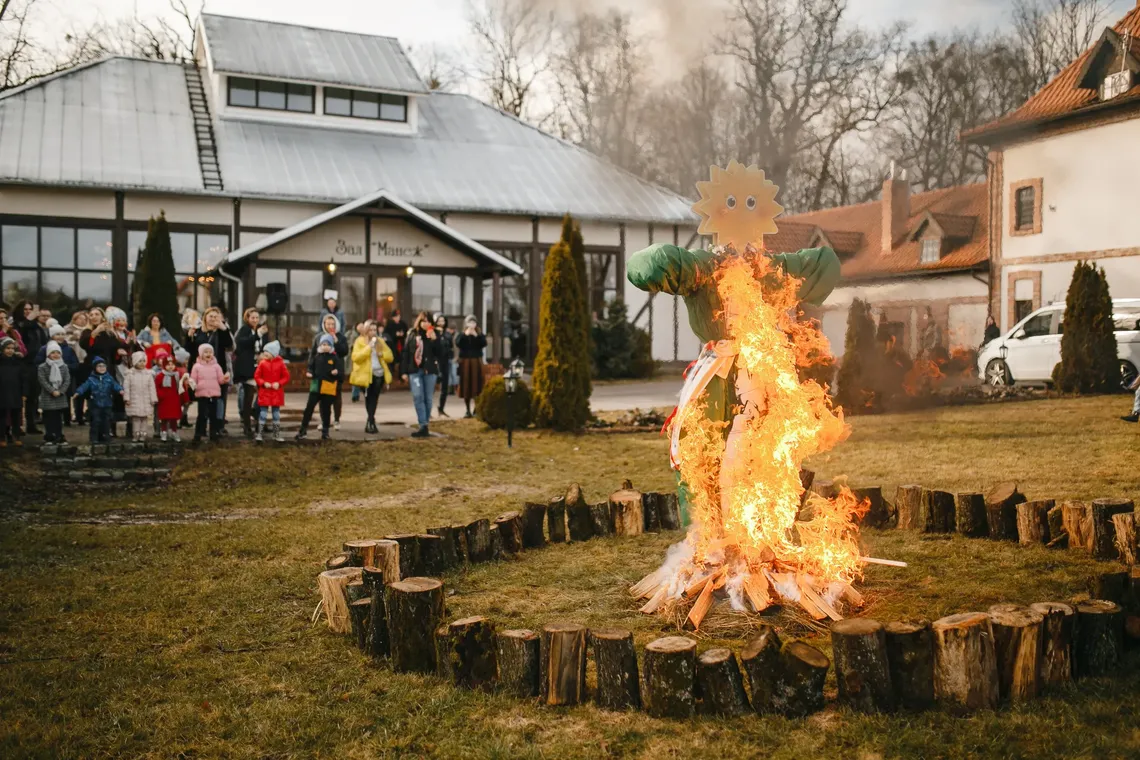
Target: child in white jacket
column 139, row 395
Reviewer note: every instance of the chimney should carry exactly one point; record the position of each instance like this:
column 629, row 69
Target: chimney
column 896, row 207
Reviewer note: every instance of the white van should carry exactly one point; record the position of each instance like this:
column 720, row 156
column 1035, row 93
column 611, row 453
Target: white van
column 1028, row 353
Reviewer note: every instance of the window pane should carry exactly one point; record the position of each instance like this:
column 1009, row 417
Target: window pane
column 211, row 250
column 427, row 293
column 338, row 102
column 57, row 289
column 366, row 105
column 305, row 288
column 95, row 288
column 243, row 92
column 452, row 295
column 271, row 95
column 263, row 277
column 394, row 108
column 19, row 284
column 136, row 241
column 57, row 247
column 297, row 332
column 468, row 296
column 300, row 98
column 95, row 249
column 18, row 246
column 182, row 246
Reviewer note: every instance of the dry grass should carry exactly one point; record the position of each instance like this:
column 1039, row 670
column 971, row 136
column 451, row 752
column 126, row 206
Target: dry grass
column 191, row 638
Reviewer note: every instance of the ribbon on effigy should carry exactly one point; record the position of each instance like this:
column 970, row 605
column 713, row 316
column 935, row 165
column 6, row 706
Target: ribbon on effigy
column 716, row 360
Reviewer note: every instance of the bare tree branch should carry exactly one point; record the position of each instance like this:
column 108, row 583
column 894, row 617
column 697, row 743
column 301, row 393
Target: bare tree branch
column 511, row 39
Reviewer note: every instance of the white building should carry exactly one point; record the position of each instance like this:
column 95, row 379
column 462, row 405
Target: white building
column 1062, row 179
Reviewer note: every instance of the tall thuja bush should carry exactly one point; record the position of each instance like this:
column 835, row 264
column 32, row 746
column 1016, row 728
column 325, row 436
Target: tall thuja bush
column 620, row 348
column 561, row 398
column 1088, row 345
column 572, row 236
column 861, row 359
column 155, row 288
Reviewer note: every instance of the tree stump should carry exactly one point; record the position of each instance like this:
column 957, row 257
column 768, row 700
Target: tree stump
column 478, row 534
column 430, row 549
column 601, row 519
column 414, row 609
column 1112, row 586
column 936, row 512
column 516, row 652
column 442, row 661
column 908, row 501
column 626, row 514
column 469, row 651
column 1100, row 638
column 1017, row 645
column 580, row 522
column 333, row 585
column 970, row 513
column 556, row 520
column 651, row 512
column 877, row 515
column 1033, row 522
column 377, row 623
column 1057, row 527
column 670, row 509
column 760, row 659
column 1077, row 520
column 358, row 615
column 965, row 663
column 355, row 590
column 449, row 546
column 616, row 662
column 562, row 664
column 371, row 577
column 910, row 657
column 1104, row 534
column 534, row 526
column 496, row 542
column 510, row 532
column 1127, row 547
column 1001, row 509
column 574, row 496
column 1058, row 625
column 824, row 488
column 337, row 561
column 720, row 684
column 361, row 553
column 807, row 478
column 670, row 677
column 859, row 646
column 800, row 675
column 409, row 553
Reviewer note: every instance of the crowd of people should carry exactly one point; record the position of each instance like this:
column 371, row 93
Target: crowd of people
column 97, row 372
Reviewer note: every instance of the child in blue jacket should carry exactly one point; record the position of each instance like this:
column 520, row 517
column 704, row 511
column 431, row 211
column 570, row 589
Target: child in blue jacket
column 101, row 388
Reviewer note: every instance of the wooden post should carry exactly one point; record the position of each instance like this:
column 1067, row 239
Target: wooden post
column 556, row 520
column 910, row 657
column 877, row 515
column 361, row 553
column 651, row 512
column 601, row 519
column 1112, row 586
column 670, row 676
column 1033, row 522
column 510, row 532
column 670, row 509
column 965, row 663
column 415, row 610
column 371, row 577
column 470, row 653
column 799, row 681
column 1100, row 638
column 625, row 513
column 574, row 496
column 616, row 662
column 1017, row 639
column 333, row 585
column 496, row 542
column 720, row 685
column 859, row 646
column 409, row 553
column 442, row 660
column 580, row 521
column 478, row 535
column 936, row 512
column 1001, row 506
column 908, row 500
column 1104, row 535
column 516, row 652
column 760, row 659
column 358, row 615
column 1057, row 629
column 460, row 538
column 562, row 664
column 1058, row 538
column 386, row 556
column 1077, row 520
column 970, row 513
column 534, row 526
column 377, row 623
column 430, row 549
column 449, row 549
column 1127, row 546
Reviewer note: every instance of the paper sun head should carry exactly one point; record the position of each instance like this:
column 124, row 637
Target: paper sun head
column 738, row 206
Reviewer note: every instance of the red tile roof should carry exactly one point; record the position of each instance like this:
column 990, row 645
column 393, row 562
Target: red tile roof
column 962, row 212
column 1062, row 96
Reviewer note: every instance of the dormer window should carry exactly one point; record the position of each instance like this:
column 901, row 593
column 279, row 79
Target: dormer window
column 931, row 250
column 1116, row 84
column 267, row 94
column 365, row 105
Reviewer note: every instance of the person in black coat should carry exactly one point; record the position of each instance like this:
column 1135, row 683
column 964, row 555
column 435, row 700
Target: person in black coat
column 11, row 392
column 326, row 369
column 217, row 335
column 248, row 342
column 332, row 327
column 30, row 322
column 395, row 330
column 421, row 362
column 447, row 338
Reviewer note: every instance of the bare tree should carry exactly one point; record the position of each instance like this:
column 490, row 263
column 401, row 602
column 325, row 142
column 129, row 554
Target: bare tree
column 512, row 38
column 438, row 66
column 1050, row 34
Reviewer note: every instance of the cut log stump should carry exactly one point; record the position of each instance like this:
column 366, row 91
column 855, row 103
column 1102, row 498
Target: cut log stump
column 877, row 514
column 431, row 560
column 469, row 652
column 910, row 657
column 333, row 585
column 970, row 513
column 371, row 577
column 337, row 561
column 1104, row 534
column 670, row 509
column 556, row 520
column 1100, row 638
column 651, row 512
column 670, row 677
column 936, row 512
column 1017, row 645
column 580, row 521
column 496, row 542
column 965, row 663
column 601, row 519
column 1077, row 519
column 414, row 609
column 626, row 514
column 1001, row 509
column 908, row 501
column 510, row 532
column 449, row 545
column 358, row 615
column 534, row 526
column 1058, row 626
column 562, row 663
column 355, row 590
column 516, row 653
column 720, row 684
column 859, row 646
column 478, row 535
column 1127, row 546
column 1033, row 522
column 616, row 662
column 361, row 553
column 760, row 658
column 409, row 553
column 377, row 623
column 1057, row 534
column 1112, row 586
column 799, row 679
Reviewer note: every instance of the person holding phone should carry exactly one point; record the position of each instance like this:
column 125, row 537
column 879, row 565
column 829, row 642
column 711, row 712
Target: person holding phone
column 421, row 362
column 472, row 343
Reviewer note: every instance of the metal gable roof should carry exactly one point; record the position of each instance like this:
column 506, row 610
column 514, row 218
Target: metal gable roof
column 285, row 51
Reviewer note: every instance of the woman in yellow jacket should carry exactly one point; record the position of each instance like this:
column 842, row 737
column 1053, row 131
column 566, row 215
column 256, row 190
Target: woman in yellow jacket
column 370, row 360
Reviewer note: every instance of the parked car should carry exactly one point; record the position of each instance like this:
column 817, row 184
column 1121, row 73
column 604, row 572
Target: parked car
column 1027, row 354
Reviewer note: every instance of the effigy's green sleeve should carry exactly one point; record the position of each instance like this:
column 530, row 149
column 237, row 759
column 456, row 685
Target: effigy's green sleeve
column 670, row 269
column 817, row 267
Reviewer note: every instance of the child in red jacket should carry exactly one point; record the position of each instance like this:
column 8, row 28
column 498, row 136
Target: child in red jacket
column 271, row 376
column 168, row 381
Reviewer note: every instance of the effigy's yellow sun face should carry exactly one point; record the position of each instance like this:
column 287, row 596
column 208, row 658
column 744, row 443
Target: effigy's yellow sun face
column 738, row 206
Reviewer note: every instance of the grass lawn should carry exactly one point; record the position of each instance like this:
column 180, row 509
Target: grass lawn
column 188, row 635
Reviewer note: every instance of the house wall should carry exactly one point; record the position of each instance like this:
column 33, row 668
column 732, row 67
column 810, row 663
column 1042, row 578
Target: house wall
column 36, row 201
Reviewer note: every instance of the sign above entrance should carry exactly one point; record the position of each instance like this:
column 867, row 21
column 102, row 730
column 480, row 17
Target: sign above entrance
column 396, row 242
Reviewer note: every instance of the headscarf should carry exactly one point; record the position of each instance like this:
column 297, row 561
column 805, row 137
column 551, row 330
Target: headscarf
column 136, row 357
column 273, row 348
column 335, row 321
column 56, row 373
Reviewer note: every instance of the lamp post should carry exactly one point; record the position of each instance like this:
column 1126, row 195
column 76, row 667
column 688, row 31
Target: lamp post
column 511, row 378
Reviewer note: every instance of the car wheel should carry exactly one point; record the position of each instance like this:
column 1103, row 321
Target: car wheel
column 997, row 374
column 1127, row 374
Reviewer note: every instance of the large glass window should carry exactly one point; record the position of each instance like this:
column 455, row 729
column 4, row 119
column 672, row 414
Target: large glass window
column 276, row 96
column 182, row 247
column 57, row 247
column 427, row 293
column 18, row 246
column 94, row 249
column 53, row 265
column 365, row 105
column 601, row 281
column 305, row 289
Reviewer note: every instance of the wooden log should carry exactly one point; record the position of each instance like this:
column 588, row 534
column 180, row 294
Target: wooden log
column 670, row 510
column 414, row 609
column 908, row 500
column 601, row 519
column 670, row 677
column 799, row 679
column 478, row 534
column 409, row 553
column 386, row 557
column 970, row 514
column 431, row 561
column 556, row 520
column 358, row 615
column 651, row 512
column 580, row 522
column 1104, row 534
column 877, row 515
column 377, row 623
column 371, row 577
column 910, row 658
column 1001, row 509
column 1100, row 638
column 1127, row 546
column 616, row 661
column 469, row 653
column 460, row 538
column 626, row 514
column 355, row 590
column 1033, row 522
column 534, row 526
column 510, row 532
column 1058, row 626
column 1057, row 525
column 442, row 661
column 936, row 512
column 337, row 561
column 824, row 488
column 361, row 553
column 1112, row 586
column 574, row 496
column 449, row 547
column 562, row 664
column 1077, row 520
column 859, row 646
column 760, row 658
column 333, row 585
column 1017, row 645
column 496, row 542
column 720, row 684
column 965, row 663
column 516, row 654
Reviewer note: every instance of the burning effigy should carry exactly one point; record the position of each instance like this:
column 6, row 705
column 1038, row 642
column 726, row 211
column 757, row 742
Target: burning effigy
column 747, row 417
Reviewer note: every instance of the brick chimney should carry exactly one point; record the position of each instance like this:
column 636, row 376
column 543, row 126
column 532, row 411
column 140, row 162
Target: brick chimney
column 896, row 206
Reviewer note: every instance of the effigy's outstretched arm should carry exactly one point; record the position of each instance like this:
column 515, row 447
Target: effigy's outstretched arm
column 669, row 269
column 817, row 267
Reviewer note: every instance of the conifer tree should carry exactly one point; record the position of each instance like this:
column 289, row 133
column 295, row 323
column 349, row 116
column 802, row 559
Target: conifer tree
column 561, row 398
column 155, row 288
column 861, row 357
column 1088, row 344
column 620, row 348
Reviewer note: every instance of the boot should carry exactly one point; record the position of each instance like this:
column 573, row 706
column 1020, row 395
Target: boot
column 257, row 436
column 277, row 434
column 422, row 432
column 247, row 428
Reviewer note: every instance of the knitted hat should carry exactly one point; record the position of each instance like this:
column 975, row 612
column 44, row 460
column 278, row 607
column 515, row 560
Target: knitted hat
column 326, row 338
column 181, row 355
column 51, row 347
column 97, row 361
column 5, row 341
column 115, row 314
column 204, row 348
column 55, row 330
column 138, row 356
column 52, row 322
column 273, row 348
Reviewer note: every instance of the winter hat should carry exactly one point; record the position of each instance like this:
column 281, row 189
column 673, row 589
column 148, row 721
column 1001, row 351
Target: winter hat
column 115, row 314
column 326, row 338
column 97, row 361
column 55, row 330
column 181, row 355
column 5, row 341
column 52, row 346
column 204, row 348
column 52, row 322
column 273, row 348
column 138, row 356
